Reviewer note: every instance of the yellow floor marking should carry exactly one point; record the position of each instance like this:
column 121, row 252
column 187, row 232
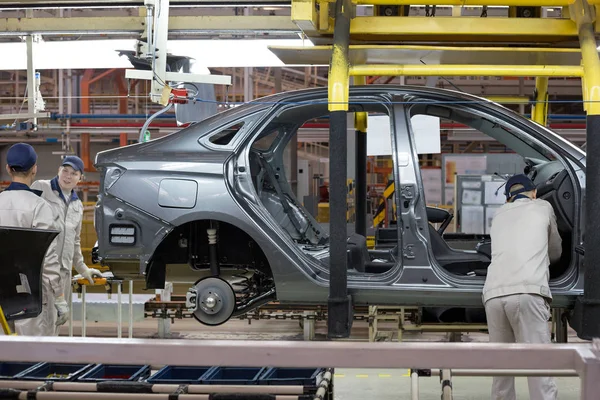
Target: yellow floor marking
column 385, row 375
column 339, row 375
column 407, row 373
column 362, row 376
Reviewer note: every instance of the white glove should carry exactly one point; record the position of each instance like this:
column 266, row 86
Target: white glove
column 89, row 274
column 63, row 310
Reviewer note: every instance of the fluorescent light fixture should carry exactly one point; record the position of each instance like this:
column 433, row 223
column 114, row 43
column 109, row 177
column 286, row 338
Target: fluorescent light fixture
column 101, row 54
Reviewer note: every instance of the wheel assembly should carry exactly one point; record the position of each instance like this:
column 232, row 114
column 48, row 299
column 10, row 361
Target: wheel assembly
column 211, row 300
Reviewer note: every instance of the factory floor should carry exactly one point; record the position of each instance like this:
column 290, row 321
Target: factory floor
column 350, row 384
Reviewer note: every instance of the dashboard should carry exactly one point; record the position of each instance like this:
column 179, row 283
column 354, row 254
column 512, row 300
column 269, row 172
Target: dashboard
column 554, row 185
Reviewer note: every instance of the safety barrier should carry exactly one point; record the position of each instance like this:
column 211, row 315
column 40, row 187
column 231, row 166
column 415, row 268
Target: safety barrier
column 584, row 359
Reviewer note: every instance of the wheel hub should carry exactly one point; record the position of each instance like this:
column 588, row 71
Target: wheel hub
column 212, row 300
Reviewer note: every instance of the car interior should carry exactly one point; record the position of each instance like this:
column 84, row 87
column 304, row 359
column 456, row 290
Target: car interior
column 276, row 194
column 549, row 174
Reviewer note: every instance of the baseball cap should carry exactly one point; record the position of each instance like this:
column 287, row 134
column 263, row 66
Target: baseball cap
column 75, row 162
column 519, row 179
column 21, row 157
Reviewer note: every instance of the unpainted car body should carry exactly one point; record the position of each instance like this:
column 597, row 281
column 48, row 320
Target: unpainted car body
column 223, row 179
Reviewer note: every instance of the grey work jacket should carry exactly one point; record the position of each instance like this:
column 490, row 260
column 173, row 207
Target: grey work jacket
column 22, row 207
column 525, row 241
column 69, row 219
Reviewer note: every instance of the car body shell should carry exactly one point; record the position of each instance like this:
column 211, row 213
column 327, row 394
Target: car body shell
column 213, row 182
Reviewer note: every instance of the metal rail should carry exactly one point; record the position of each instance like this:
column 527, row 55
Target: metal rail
column 583, row 358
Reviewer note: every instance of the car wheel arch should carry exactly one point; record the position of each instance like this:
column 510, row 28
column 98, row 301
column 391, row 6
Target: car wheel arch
column 156, row 266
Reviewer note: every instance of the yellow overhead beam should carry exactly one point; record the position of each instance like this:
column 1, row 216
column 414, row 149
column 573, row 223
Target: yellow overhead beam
column 584, row 16
column 467, row 70
column 468, row 26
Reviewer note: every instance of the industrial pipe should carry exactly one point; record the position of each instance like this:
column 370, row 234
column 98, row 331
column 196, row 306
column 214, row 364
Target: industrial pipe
column 55, row 117
column 466, row 70
column 339, row 305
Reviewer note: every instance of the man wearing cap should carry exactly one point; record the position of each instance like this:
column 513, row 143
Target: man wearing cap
column 60, row 194
column 516, row 293
column 21, row 206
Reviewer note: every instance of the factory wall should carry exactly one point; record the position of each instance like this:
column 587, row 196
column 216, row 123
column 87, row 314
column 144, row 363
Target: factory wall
column 48, row 163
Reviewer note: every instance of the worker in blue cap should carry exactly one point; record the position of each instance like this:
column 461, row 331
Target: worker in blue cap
column 21, row 206
column 60, row 193
column 516, row 294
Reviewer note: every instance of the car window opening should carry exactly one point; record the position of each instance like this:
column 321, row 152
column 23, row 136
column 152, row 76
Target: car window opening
column 467, row 254
column 271, row 179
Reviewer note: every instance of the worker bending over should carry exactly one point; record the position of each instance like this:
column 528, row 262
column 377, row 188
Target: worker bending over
column 516, row 294
column 68, row 209
column 23, row 207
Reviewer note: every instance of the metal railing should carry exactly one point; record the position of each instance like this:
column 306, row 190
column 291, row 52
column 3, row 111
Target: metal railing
column 584, row 359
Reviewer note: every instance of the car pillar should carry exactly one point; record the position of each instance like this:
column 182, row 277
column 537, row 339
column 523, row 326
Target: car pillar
column 360, row 125
column 586, row 315
column 339, row 315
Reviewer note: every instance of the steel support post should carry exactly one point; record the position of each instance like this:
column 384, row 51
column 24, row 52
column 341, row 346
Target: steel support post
column 339, row 315
column 164, row 324
column 83, row 310
column 414, row 385
column 586, row 314
column 31, row 84
column 360, row 124
column 119, row 309
column 130, row 333
column 540, row 109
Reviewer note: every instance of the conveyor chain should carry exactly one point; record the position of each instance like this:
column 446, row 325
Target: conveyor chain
column 175, row 309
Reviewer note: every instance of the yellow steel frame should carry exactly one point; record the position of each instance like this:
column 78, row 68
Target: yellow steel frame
column 339, row 80
column 313, row 17
column 540, row 110
column 360, row 118
column 467, row 70
column 584, row 16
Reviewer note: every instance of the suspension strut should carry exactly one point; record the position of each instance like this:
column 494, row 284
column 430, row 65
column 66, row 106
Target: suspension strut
column 215, row 270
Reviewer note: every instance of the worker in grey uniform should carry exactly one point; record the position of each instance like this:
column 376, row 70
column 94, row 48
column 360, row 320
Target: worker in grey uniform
column 22, row 207
column 516, row 294
column 68, row 209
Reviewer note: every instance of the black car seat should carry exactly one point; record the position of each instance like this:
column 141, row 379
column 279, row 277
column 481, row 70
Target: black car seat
column 455, row 261
column 360, row 259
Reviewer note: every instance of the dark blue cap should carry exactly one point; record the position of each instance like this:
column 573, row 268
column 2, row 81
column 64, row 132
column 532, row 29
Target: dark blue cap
column 75, row 162
column 519, row 179
column 21, row 157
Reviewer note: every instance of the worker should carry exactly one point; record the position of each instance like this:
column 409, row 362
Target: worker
column 60, row 194
column 22, row 207
column 516, row 293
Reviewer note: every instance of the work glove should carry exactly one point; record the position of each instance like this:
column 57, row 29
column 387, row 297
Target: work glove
column 89, row 274
column 63, row 310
